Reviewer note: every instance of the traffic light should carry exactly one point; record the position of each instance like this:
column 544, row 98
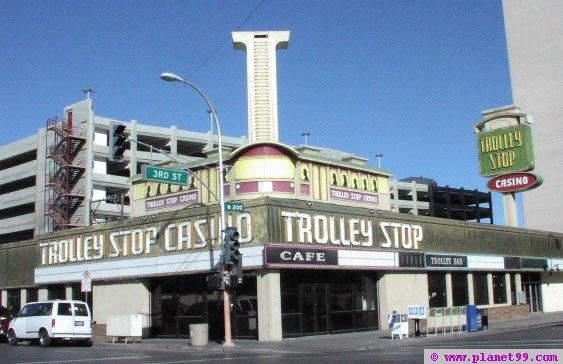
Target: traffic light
column 118, row 141
column 215, row 282
column 231, row 253
column 235, row 275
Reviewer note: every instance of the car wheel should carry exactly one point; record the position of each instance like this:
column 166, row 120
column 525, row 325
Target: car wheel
column 12, row 338
column 44, row 338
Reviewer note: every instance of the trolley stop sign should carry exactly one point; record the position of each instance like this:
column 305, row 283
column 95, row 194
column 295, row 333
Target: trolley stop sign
column 165, row 175
column 86, row 284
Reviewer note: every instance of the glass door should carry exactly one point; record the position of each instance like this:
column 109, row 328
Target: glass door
column 314, row 313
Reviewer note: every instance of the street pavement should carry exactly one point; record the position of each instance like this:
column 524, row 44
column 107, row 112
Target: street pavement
column 346, row 342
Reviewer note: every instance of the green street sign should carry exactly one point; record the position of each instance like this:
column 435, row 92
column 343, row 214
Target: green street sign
column 505, row 150
column 165, row 175
column 234, row 207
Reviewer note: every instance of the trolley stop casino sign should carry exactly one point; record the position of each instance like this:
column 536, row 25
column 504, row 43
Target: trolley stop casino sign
column 514, row 182
column 505, row 150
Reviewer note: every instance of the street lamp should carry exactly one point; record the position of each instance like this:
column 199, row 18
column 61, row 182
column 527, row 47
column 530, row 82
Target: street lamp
column 378, row 156
column 226, row 302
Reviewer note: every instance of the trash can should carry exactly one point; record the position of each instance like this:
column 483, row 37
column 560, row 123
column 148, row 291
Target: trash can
column 199, row 334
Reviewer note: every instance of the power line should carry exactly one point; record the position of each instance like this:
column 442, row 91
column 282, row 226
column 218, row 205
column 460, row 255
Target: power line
column 228, row 38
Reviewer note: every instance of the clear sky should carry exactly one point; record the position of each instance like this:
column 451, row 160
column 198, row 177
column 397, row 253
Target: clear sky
column 404, row 78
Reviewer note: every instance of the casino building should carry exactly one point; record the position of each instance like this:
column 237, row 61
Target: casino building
column 322, row 251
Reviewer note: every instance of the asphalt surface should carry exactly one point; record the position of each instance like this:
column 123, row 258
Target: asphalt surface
column 347, row 342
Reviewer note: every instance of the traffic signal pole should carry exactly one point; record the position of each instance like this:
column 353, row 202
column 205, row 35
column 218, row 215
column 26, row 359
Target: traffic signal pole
column 226, row 302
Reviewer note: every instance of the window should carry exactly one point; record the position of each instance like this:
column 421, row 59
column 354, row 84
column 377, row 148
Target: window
column 80, row 309
column 459, row 289
column 437, row 290
column 499, row 288
column 480, row 289
column 64, row 309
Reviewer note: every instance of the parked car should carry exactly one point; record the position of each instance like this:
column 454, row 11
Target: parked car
column 49, row 321
column 5, row 317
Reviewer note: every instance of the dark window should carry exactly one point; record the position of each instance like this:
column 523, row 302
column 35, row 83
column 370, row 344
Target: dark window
column 64, row 309
column 480, row 289
column 437, row 290
column 57, row 292
column 32, row 295
column 459, row 289
column 499, row 288
column 14, row 300
column 80, row 309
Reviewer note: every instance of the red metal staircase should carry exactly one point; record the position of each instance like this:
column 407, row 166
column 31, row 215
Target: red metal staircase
column 66, row 168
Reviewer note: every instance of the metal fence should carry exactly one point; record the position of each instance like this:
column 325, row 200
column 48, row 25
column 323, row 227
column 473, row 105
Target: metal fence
column 446, row 320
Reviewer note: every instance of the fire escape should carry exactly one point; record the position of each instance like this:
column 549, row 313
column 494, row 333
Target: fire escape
column 65, row 169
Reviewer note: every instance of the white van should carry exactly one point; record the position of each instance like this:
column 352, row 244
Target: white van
column 49, row 321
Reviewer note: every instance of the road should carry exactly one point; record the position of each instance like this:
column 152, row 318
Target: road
column 405, row 351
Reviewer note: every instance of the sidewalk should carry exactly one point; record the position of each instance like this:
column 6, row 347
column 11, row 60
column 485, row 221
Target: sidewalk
column 353, row 341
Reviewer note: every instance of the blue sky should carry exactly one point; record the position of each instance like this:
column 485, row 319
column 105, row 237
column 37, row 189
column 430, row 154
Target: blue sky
column 405, row 78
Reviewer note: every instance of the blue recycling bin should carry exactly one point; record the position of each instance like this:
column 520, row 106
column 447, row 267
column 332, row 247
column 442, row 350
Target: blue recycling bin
column 474, row 318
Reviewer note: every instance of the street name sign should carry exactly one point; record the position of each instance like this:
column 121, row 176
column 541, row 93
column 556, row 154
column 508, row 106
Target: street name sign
column 234, row 207
column 165, row 175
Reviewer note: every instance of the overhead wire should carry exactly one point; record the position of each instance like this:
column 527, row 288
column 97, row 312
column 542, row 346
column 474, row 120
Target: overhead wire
column 228, row 38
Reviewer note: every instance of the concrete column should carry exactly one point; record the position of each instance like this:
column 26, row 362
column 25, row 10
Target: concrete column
column 518, row 284
column 42, row 294
column 4, row 298
column 23, row 296
column 133, row 150
column 490, row 288
column 449, row 291
column 510, row 209
column 415, row 206
column 507, row 288
column 395, row 189
column 40, row 203
column 269, row 305
column 260, row 48
column 470, row 289
column 173, row 140
column 68, row 292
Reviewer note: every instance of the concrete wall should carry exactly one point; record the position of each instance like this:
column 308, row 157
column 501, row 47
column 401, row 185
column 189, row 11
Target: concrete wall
column 269, row 306
column 533, row 32
column 552, row 292
column 122, row 298
column 397, row 291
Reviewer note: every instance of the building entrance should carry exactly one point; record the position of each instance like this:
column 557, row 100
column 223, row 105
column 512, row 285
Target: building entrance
column 314, row 302
column 532, row 287
column 177, row 302
column 327, row 302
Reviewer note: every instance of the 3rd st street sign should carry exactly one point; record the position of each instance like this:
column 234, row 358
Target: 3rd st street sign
column 165, row 175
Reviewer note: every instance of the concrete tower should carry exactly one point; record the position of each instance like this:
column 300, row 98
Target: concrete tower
column 262, row 82
column 534, row 33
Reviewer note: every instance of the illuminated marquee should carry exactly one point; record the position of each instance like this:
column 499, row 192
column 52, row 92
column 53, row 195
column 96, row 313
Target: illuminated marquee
column 150, row 240
column 305, row 228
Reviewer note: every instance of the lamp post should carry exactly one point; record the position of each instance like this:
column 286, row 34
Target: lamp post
column 226, row 302
column 378, row 156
